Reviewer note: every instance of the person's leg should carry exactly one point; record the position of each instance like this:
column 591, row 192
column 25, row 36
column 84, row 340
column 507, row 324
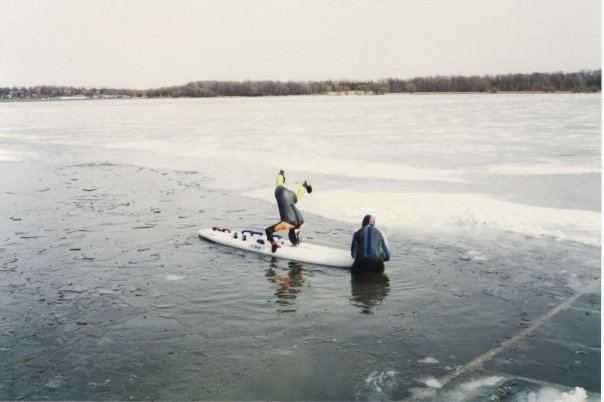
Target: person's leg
column 281, row 226
column 356, row 267
column 304, row 188
column 294, row 238
column 269, row 232
column 277, row 227
column 375, row 267
column 294, row 235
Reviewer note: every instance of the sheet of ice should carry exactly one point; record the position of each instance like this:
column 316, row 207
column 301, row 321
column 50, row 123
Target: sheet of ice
column 474, row 255
column 480, row 383
column 425, row 163
column 431, row 382
column 551, row 168
column 172, row 277
column 485, row 387
column 342, row 165
column 474, row 390
column 376, row 169
column 578, row 394
column 6, row 156
column 364, row 169
column 450, row 211
column 335, row 166
column 428, row 360
column 13, row 155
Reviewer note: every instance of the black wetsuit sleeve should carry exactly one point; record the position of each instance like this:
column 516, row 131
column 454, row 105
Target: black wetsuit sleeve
column 353, row 245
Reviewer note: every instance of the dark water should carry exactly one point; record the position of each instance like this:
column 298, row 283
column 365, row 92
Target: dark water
column 107, row 293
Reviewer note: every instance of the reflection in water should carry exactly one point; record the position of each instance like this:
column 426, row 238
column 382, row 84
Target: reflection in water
column 368, row 290
column 287, row 283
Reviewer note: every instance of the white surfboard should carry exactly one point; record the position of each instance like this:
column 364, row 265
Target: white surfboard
column 256, row 242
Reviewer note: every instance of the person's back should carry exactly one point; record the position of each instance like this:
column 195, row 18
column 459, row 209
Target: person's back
column 369, row 247
column 286, row 200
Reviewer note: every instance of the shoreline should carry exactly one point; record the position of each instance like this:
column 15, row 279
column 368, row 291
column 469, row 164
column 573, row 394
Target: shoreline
column 351, row 93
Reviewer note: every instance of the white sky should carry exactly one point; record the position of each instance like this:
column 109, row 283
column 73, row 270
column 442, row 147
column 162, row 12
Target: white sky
column 150, row 43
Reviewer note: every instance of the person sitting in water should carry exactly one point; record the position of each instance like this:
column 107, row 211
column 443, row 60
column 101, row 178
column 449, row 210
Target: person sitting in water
column 291, row 218
column 369, row 248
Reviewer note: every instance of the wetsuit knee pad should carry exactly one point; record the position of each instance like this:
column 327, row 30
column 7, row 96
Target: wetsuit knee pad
column 282, row 226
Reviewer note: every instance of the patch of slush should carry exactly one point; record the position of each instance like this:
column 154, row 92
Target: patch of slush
column 482, row 382
column 378, row 385
column 428, row 360
column 55, row 381
column 486, row 388
column 474, row 255
column 432, row 382
column 452, row 212
column 172, row 277
column 553, row 395
column 476, row 389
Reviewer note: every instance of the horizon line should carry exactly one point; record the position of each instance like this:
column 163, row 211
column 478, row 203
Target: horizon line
column 372, row 80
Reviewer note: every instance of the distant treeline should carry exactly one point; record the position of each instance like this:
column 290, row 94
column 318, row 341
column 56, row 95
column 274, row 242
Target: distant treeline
column 583, row 81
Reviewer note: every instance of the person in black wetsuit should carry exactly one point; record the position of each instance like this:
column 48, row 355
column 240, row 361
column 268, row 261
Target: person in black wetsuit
column 369, row 248
column 291, row 218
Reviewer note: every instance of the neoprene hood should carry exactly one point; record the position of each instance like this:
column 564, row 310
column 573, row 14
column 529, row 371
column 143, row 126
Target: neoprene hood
column 368, row 220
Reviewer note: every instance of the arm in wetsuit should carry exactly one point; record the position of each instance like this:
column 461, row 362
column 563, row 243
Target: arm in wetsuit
column 385, row 249
column 353, row 245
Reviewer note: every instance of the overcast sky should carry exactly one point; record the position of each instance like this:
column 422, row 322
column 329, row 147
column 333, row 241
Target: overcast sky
column 150, row 43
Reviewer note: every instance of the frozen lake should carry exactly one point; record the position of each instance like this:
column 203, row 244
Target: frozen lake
column 491, row 204
column 526, row 164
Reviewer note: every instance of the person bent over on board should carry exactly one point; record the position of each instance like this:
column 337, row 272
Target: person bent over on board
column 291, row 218
column 369, row 248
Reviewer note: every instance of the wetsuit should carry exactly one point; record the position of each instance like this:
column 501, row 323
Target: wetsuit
column 286, row 201
column 291, row 218
column 369, row 250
